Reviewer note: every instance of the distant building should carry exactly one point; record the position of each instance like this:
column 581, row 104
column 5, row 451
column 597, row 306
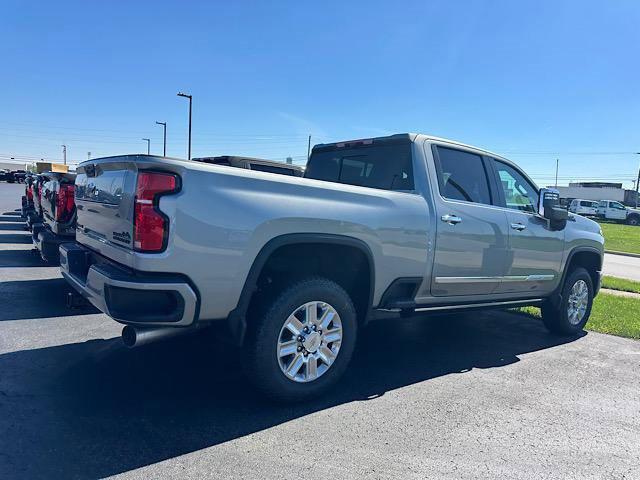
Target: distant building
column 596, row 191
column 12, row 166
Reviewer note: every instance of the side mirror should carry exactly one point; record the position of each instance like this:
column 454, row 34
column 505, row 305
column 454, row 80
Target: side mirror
column 549, row 207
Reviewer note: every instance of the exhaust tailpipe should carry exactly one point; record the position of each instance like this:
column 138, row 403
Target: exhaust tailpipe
column 135, row 337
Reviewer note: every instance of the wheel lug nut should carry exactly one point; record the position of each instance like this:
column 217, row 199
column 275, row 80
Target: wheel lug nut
column 320, row 332
column 299, row 348
column 315, row 327
column 300, row 338
column 306, row 329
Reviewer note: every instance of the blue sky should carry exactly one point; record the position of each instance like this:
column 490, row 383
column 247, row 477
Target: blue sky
column 534, row 81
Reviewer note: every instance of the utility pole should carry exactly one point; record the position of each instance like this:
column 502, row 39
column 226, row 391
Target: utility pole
column 190, row 97
column 557, row 163
column 88, row 155
column 64, row 153
column 148, row 140
column 164, row 127
column 309, row 148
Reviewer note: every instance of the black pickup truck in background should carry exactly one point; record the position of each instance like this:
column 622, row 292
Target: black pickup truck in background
column 34, row 214
column 258, row 164
column 58, row 209
column 27, row 198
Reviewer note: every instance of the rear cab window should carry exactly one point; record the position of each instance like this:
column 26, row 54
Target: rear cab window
column 462, row 176
column 383, row 165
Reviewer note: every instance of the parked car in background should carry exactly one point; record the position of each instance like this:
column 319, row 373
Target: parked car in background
column 16, row 176
column 254, row 164
column 58, row 215
column 292, row 268
column 611, row 210
column 3, row 175
column 583, row 207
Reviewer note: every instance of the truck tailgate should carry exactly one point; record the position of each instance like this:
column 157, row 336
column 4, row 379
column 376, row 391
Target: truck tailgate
column 105, row 204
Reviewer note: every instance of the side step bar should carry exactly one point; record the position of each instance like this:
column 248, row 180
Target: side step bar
column 508, row 303
column 408, row 307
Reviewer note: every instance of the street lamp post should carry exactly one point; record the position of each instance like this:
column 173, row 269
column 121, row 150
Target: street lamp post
column 148, row 140
column 190, row 97
column 164, row 128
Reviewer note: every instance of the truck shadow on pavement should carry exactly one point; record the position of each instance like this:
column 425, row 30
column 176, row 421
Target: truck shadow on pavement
column 15, row 238
column 95, row 409
column 15, row 227
column 21, row 258
column 44, row 298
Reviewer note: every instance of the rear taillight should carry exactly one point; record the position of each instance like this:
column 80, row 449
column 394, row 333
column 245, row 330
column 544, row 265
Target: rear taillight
column 150, row 225
column 30, row 193
column 65, row 203
column 39, row 192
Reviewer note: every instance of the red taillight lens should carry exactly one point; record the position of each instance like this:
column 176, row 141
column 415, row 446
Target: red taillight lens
column 39, row 192
column 65, row 203
column 30, row 193
column 150, row 226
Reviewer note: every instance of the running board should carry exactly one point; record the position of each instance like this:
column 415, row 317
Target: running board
column 410, row 307
column 508, row 303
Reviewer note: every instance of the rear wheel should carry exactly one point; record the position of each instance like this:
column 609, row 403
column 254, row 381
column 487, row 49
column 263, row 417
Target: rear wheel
column 633, row 220
column 569, row 315
column 302, row 341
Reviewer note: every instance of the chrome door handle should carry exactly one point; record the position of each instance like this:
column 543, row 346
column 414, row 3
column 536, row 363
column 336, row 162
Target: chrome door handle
column 518, row 226
column 450, row 219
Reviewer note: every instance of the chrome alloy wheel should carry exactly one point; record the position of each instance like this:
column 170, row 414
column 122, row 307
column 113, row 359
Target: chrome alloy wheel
column 578, row 301
column 309, row 341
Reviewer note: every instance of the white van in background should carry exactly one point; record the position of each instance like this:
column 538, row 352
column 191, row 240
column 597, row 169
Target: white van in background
column 583, row 207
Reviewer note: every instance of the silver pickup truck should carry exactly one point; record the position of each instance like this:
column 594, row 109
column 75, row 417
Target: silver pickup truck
column 292, row 268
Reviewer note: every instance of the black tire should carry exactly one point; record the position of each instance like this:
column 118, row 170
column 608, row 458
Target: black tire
column 633, row 220
column 555, row 314
column 261, row 362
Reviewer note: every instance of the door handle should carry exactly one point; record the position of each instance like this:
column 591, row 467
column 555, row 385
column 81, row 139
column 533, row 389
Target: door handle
column 518, row 226
column 450, row 219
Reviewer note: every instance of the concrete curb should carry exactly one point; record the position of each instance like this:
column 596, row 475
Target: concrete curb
column 625, row 254
column 620, row 293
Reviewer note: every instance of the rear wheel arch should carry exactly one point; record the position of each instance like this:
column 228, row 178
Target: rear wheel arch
column 633, row 219
column 296, row 244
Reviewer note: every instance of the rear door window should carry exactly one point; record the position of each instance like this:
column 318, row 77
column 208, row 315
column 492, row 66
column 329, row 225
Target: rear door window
column 387, row 167
column 462, row 176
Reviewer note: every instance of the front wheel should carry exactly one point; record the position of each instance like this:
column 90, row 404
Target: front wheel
column 569, row 315
column 301, row 343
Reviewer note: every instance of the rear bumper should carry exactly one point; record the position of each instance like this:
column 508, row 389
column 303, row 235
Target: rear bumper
column 32, row 219
column 48, row 243
column 128, row 296
column 26, row 206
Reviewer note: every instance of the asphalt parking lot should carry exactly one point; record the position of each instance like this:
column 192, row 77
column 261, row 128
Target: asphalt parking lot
column 482, row 395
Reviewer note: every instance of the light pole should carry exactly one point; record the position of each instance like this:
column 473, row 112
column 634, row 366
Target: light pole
column 190, row 97
column 64, row 153
column 164, row 128
column 148, row 145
